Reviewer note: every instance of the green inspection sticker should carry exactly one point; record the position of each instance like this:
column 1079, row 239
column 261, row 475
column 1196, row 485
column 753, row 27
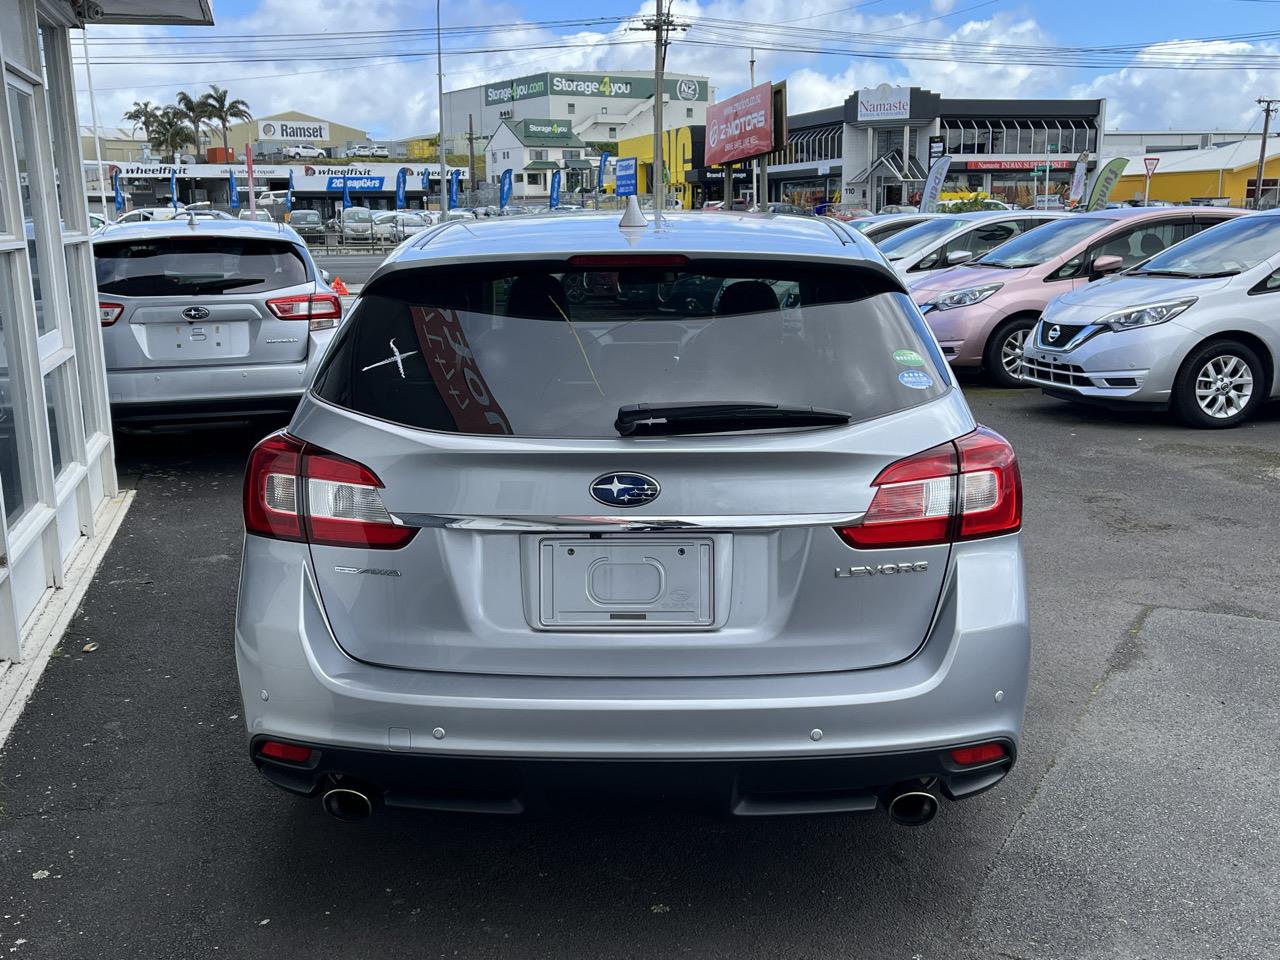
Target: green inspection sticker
column 908, row 358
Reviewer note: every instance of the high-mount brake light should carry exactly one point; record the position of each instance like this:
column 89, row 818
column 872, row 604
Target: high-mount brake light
column 964, row 489
column 296, row 491
column 615, row 260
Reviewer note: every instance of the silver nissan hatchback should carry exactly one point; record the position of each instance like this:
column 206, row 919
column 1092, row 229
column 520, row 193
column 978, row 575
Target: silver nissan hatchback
column 514, row 550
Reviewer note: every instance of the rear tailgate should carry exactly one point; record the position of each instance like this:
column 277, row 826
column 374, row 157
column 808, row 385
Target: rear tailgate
column 550, row 545
column 202, row 300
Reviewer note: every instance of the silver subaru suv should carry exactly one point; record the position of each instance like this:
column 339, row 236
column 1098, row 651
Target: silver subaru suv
column 208, row 319
column 514, row 550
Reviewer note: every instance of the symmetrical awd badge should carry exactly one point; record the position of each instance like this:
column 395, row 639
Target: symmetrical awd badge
column 625, row 489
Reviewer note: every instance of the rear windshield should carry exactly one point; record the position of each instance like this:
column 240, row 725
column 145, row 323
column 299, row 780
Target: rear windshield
column 553, row 351
column 174, row 266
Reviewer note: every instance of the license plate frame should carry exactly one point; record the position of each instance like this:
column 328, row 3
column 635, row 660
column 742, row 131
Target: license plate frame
column 626, row 583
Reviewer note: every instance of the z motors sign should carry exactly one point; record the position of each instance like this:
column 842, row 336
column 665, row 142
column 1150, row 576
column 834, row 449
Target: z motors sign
column 741, row 126
column 304, row 130
column 884, row 103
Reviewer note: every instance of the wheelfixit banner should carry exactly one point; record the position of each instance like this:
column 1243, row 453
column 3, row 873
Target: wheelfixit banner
column 741, row 126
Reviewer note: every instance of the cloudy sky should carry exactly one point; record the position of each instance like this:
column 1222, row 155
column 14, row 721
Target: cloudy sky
column 284, row 54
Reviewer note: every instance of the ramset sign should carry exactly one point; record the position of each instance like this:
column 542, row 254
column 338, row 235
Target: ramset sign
column 304, row 130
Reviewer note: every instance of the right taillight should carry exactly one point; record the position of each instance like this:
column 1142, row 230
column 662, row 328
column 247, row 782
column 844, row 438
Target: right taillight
column 109, row 313
column 296, row 491
column 959, row 490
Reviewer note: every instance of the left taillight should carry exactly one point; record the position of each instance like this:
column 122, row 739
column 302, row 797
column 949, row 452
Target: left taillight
column 297, row 491
column 964, row 489
column 109, row 313
column 321, row 310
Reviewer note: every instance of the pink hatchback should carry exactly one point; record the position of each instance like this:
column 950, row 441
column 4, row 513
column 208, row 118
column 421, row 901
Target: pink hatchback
column 982, row 311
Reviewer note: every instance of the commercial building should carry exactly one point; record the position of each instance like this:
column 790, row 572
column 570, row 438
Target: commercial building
column 998, row 147
column 118, row 144
column 1131, row 143
column 1220, row 175
column 682, row 153
column 598, row 107
column 533, row 150
column 57, row 475
column 269, row 135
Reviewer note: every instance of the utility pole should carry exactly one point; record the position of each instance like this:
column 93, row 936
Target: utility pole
column 755, row 166
column 1268, row 108
column 659, row 62
column 471, row 153
column 440, row 92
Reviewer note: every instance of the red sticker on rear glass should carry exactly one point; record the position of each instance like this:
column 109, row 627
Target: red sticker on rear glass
column 453, row 368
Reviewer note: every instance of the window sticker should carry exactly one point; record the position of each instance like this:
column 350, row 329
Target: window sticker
column 453, row 368
column 908, row 358
column 915, row 379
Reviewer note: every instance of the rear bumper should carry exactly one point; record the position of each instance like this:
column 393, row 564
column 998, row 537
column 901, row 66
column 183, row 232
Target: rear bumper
column 232, row 383
column 851, row 784
column 966, row 684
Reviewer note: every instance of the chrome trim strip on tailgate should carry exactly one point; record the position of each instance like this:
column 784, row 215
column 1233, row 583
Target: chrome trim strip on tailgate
column 607, row 524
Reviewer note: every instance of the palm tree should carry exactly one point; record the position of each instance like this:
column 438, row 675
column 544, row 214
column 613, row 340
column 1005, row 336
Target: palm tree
column 143, row 116
column 220, row 110
column 192, row 110
column 171, row 132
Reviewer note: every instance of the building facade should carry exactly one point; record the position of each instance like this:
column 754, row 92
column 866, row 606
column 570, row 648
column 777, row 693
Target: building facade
column 270, row 135
column 1130, row 143
column 1222, row 176
column 598, row 107
column 533, row 150
column 874, row 150
column 57, row 472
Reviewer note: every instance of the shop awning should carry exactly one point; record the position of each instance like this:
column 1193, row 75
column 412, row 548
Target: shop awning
column 892, row 163
column 542, row 165
column 579, row 164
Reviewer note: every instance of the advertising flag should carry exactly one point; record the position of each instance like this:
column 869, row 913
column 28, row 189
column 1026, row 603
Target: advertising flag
column 235, row 190
column 504, row 189
column 426, row 181
column 346, row 192
column 401, row 175
column 248, row 169
column 555, row 189
column 933, row 186
column 1104, row 181
column 1076, row 193
column 115, row 182
column 454, row 176
column 604, row 159
column 173, row 187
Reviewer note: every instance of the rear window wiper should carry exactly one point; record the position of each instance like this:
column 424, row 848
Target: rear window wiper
column 659, row 419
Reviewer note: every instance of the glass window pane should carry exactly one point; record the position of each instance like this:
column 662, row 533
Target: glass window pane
column 60, row 130
column 22, row 116
column 84, row 319
column 59, row 407
column 17, row 469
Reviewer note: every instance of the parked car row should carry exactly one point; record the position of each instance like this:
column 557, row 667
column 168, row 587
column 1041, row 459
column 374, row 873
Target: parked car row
column 1156, row 307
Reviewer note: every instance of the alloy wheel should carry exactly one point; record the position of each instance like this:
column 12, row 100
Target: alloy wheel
column 1224, row 386
column 1011, row 352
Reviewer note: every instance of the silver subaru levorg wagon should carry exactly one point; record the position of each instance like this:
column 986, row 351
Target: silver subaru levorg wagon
column 513, row 549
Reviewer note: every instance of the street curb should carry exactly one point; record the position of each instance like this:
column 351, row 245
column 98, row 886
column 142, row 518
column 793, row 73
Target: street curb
column 18, row 680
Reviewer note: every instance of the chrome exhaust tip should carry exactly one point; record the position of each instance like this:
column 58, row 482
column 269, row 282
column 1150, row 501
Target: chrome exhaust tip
column 912, row 808
column 348, row 804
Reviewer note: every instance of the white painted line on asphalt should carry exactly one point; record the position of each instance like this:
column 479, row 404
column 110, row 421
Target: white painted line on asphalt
column 18, row 680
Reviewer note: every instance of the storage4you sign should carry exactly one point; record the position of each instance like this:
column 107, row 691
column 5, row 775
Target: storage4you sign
column 741, row 126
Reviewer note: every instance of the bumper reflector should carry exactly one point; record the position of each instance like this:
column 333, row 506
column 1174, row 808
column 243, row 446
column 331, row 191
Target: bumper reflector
column 285, row 751
column 982, row 753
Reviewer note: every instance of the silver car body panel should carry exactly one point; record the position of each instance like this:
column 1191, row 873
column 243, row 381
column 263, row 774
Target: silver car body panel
column 877, row 650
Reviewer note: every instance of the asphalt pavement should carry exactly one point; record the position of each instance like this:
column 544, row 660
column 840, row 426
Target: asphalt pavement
column 351, row 267
column 1140, row 821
